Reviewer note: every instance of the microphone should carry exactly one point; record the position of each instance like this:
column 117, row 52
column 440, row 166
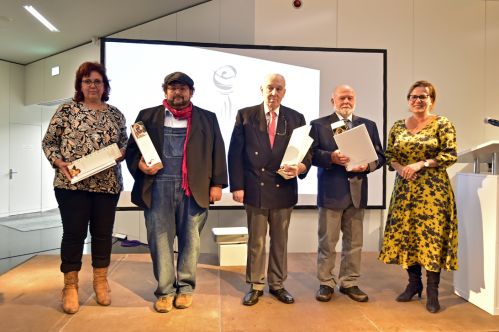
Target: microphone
column 491, row 121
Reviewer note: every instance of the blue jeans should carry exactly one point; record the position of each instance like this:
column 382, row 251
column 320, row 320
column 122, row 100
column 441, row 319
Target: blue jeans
column 173, row 214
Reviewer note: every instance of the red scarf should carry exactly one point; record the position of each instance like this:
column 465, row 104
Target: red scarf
column 184, row 113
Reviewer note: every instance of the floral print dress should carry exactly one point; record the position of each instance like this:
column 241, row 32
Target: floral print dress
column 76, row 131
column 421, row 226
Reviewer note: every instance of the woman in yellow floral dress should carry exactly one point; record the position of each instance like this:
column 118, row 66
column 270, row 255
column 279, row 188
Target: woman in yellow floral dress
column 421, row 227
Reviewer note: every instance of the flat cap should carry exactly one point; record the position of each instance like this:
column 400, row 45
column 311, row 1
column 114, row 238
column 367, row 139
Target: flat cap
column 178, row 77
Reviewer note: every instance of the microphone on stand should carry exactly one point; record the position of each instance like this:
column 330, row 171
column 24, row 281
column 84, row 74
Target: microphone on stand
column 491, row 121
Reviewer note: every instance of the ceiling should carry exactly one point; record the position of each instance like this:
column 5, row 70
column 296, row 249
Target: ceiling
column 24, row 40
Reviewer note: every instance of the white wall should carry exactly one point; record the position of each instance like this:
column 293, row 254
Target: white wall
column 452, row 43
column 491, row 66
column 4, row 136
column 48, row 197
column 42, row 87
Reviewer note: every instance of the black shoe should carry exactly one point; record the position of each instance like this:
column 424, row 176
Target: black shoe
column 432, row 304
column 355, row 293
column 324, row 293
column 410, row 291
column 282, row 295
column 252, row 296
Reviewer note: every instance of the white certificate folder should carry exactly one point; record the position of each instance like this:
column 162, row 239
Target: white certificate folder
column 94, row 163
column 298, row 146
column 356, row 144
column 145, row 145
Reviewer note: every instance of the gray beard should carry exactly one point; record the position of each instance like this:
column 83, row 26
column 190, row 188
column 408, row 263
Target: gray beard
column 340, row 111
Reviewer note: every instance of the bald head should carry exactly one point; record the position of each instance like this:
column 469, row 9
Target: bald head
column 273, row 90
column 273, row 77
column 343, row 100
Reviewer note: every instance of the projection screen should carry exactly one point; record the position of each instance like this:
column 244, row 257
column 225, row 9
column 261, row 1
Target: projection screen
column 228, row 77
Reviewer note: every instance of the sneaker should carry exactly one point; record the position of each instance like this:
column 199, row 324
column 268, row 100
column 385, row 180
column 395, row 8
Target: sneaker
column 164, row 304
column 183, row 301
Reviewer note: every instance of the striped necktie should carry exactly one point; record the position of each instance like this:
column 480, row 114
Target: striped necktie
column 348, row 123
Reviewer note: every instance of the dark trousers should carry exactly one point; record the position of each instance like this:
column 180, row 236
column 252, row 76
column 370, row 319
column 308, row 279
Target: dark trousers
column 79, row 209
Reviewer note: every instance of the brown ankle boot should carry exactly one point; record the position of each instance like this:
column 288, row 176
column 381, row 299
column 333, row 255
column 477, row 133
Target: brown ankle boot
column 70, row 303
column 101, row 287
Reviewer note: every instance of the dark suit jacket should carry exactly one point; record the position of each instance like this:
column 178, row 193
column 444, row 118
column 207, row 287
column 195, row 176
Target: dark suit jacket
column 337, row 187
column 253, row 163
column 206, row 164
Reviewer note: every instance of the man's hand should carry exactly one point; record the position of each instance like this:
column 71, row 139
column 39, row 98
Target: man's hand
column 238, row 196
column 63, row 167
column 215, row 193
column 291, row 171
column 146, row 169
column 359, row 168
column 339, row 158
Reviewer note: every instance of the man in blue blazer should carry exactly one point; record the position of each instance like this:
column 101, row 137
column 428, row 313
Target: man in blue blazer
column 259, row 140
column 176, row 197
column 341, row 197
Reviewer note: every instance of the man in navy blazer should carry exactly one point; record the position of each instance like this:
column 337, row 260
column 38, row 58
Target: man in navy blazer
column 176, row 197
column 259, row 140
column 341, row 197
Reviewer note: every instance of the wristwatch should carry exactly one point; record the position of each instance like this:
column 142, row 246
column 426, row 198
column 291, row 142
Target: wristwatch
column 426, row 163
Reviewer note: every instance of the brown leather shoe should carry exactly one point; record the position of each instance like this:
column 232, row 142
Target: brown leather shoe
column 252, row 296
column 183, row 301
column 164, row 304
column 355, row 293
column 324, row 293
column 282, row 295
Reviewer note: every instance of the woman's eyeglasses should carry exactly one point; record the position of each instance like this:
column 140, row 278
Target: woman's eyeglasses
column 416, row 97
column 94, row 82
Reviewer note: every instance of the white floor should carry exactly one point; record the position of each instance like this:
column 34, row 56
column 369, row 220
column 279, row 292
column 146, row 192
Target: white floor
column 24, row 236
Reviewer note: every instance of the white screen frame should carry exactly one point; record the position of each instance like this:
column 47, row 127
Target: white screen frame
column 363, row 69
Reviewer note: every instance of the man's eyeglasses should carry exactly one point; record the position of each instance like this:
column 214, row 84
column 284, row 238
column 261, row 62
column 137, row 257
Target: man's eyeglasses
column 182, row 88
column 416, row 97
column 283, row 133
column 94, row 82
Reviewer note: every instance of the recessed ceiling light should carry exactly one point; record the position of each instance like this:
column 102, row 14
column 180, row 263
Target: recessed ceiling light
column 40, row 18
column 55, row 70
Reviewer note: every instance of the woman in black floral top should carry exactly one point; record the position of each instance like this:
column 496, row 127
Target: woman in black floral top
column 78, row 128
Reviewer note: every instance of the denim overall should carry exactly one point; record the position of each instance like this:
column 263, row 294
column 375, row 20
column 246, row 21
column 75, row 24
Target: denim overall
column 172, row 214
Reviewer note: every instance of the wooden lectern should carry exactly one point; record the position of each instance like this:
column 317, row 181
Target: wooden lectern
column 477, row 200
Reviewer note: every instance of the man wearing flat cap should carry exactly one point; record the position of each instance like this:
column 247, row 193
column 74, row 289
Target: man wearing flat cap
column 176, row 197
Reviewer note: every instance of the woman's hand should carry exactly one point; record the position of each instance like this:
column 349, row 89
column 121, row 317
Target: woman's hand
column 409, row 172
column 63, row 168
column 120, row 159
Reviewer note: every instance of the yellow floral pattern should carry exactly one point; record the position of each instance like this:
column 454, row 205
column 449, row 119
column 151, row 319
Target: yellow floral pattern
column 421, row 226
